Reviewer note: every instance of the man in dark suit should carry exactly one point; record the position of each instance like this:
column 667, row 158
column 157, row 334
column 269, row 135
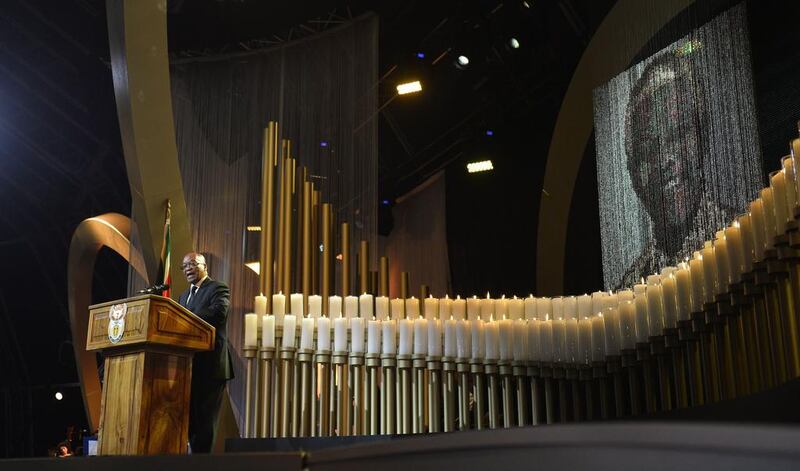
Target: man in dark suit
column 210, row 300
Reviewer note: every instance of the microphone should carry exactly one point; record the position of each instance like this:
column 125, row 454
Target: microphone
column 154, row 289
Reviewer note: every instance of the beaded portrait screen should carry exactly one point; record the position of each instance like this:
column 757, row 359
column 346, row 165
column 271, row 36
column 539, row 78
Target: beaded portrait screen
column 677, row 149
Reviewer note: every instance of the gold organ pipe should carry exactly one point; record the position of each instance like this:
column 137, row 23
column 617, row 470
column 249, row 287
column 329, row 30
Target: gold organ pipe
column 316, row 239
column 345, row 260
column 327, row 226
column 363, row 267
column 267, row 254
column 404, row 284
column 306, row 252
column 383, row 277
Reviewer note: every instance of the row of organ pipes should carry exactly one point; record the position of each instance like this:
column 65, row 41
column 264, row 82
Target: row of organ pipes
column 721, row 325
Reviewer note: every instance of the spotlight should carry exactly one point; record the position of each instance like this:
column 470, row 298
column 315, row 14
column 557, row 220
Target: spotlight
column 526, row 4
column 253, row 228
column 323, row 143
column 420, row 55
column 385, row 202
column 489, row 132
column 59, row 396
column 409, row 87
column 462, row 62
column 482, row 166
column 513, row 43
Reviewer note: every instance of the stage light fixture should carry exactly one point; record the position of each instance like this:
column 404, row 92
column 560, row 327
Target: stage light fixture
column 420, row 55
column 489, row 132
column 59, row 396
column 513, row 43
column 323, row 143
column 462, row 62
column 482, row 166
column 409, row 87
column 385, row 202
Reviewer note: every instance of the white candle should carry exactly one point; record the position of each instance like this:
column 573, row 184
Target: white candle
column 794, row 148
column 279, row 307
column 412, row 308
column 546, row 341
column 770, row 230
column 340, row 335
column 778, row 184
column 696, row 276
column 520, row 340
column 314, row 305
column 296, row 305
column 463, row 339
column 598, row 338
column 251, row 330
column 544, row 309
column 476, row 341
column 533, row 340
column 669, row 299
column 435, row 338
column 450, row 329
column 382, row 308
column 530, row 307
column 506, row 328
column 584, row 306
column 655, row 310
column 459, row 309
column 721, row 257
column 334, row 307
column 559, row 340
column 501, row 308
column 420, row 336
column 598, row 302
column 757, row 223
column 558, row 308
column 627, row 325
column 640, row 321
column 735, row 252
column 570, row 308
column 374, row 337
column 307, row 333
column 261, row 305
column 746, row 233
column 624, row 295
column 365, row 309
column 268, row 331
column 289, row 331
column 432, row 308
column 351, row 307
column 473, row 308
column 584, row 341
column 611, row 330
column 791, row 185
column 389, row 337
column 516, row 308
column 709, row 272
column 487, row 308
column 445, row 308
column 406, row 342
column 683, row 291
column 571, row 352
column 324, row 334
column 492, row 338
column 398, row 308
column 357, row 335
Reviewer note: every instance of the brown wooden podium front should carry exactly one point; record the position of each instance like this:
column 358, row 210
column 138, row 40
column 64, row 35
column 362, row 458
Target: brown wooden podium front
column 148, row 343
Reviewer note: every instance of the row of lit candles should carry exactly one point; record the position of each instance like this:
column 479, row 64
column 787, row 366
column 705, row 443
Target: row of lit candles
column 571, row 329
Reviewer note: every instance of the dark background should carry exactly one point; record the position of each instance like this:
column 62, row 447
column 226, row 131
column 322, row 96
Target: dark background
column 61, row 158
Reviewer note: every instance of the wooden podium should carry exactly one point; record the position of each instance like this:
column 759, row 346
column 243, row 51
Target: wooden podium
column 148, row 342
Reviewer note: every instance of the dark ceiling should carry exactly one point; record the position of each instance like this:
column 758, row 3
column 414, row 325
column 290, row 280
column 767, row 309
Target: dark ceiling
column 61, row 157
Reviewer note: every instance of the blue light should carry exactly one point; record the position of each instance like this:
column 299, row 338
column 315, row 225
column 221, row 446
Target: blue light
column 323, row 143
column 385, row 202
column 489, row 132
column 420, row 55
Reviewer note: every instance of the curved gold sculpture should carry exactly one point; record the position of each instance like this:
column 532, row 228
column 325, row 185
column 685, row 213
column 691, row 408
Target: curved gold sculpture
column 110, row 230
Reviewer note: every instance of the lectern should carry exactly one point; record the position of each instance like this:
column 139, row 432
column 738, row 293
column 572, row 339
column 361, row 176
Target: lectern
column 148, row 343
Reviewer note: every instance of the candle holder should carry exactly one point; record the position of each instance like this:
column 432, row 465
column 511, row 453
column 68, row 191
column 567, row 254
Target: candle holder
column 519, row 369
column 724, row 344
column 765, row 307
column 537, row 407
column 304, row 359
column 462, row 368
column 373, row 363
column 267, row 355
column 745, row 383
column 388, row 394
column 476, row 369
column 644, row 358
column 678, row 368
column 275, row 400
column 323, row 362
column 659, row 351
column 694, row 367
column 628, row 364
column 434, row 366
column 418, row 393
column 546, row 373
column 787, row 281
column 405, row 414
column 599, row 372
column 249, row 412
column 614, row 368
column 507, row 391
column 286, row 377
column 359, row 416
column 773, row 310
column 339, row 362
column 760, row 362
column 490, row 371
column 585, row 373
column 573, row 383
column 560, row 379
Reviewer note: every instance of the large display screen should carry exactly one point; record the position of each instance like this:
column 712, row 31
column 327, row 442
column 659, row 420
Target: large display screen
column 677, row 149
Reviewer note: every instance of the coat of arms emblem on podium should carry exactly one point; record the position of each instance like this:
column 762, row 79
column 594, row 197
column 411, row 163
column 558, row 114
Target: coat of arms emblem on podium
column 116, row 322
